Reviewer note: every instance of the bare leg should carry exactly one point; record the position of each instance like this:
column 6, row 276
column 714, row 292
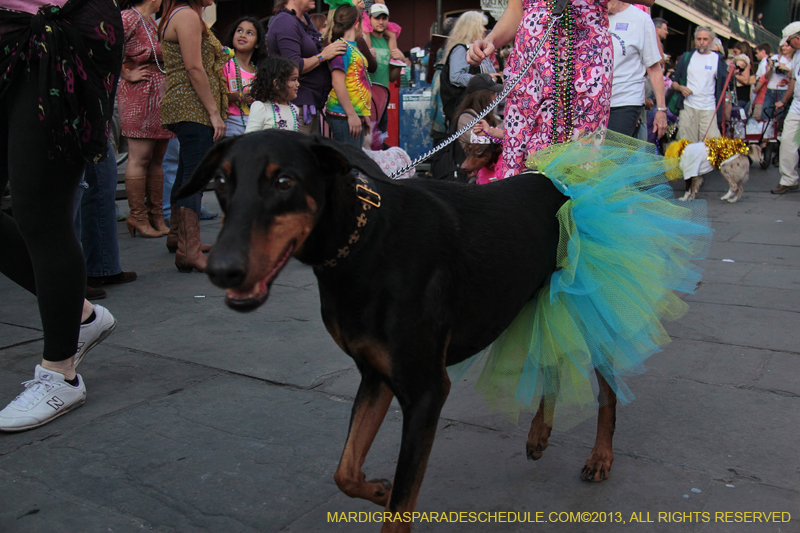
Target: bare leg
column 598, row 465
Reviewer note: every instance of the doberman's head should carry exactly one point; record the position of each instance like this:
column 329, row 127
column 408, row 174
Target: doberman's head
column 272, row 186
column 480, row 155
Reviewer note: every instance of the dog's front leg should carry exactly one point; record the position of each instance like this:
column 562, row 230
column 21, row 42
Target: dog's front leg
column 598, row 465
column 421, row 408
column 369, row 410
column 541, row 427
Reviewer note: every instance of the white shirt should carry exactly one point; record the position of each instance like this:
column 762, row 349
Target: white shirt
column 263, row 117
column 777, row 77
column 701, row 78
column 796, row 74
column 762, row 68
column 635, row 49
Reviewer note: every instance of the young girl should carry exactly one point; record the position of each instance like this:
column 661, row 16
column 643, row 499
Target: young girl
column 273, row 90
column 349, row 102
column 247, row 47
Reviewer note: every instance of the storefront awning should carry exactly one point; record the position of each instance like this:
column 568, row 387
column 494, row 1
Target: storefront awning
column 692, row 14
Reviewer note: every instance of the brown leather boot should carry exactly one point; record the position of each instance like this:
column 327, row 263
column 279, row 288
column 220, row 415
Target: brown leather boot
column 137, row 219
column 172, row 236
column 155, row 192
column 189, row 257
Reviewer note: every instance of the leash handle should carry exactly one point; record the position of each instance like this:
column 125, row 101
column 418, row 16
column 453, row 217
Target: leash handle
column 558, row 12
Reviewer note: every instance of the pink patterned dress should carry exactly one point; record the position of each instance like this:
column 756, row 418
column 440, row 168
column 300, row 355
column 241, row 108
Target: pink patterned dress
column 530, row 106
column 140, row 102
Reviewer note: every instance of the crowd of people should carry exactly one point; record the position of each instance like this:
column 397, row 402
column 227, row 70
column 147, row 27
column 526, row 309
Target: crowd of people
column 175, row 84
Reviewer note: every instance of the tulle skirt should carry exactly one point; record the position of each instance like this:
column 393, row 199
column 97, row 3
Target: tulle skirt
column 625, row 247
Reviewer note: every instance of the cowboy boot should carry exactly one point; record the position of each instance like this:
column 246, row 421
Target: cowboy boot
column 172, row 236
column 189, row 257
column 155, row 192
column 137, row 219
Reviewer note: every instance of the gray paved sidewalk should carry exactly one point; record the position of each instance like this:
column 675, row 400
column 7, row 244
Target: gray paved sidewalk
column 202, row 419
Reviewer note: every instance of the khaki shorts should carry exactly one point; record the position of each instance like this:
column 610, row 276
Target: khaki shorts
column 693, row 123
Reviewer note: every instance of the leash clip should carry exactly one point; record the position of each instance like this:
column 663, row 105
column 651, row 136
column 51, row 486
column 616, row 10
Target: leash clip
column 369, row 196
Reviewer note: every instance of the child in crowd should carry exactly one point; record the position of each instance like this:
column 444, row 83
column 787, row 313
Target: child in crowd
column 349, row 102
column 320, row 22
column 246, row 46
column 274, row 88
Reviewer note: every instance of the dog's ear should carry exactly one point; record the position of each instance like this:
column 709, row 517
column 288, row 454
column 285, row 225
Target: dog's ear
column 342, row 158
column 205, row 170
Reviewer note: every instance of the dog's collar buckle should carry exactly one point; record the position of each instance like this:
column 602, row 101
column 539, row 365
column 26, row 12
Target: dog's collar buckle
column 367, row 195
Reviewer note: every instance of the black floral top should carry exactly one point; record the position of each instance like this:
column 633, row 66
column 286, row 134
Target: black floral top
column 76, row 50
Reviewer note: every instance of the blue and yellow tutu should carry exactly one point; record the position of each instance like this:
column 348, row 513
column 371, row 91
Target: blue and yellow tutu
column 625, row 246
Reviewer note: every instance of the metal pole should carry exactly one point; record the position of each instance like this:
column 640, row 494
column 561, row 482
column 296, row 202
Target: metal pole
column 439, row 17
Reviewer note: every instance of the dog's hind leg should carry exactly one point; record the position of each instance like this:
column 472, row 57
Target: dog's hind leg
column 541, row 427
column 369, row 409
column 598, row 465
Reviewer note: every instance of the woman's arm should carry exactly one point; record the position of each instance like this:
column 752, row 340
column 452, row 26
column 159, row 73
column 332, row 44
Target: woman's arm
column 744, row 77
column 340, row 87
column 459, row 68
column 289, row 46
column 363, row 47
column 189, row 31
column 502, row 34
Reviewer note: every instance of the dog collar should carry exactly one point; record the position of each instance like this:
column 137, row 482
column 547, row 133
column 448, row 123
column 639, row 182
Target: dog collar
column 369, row 199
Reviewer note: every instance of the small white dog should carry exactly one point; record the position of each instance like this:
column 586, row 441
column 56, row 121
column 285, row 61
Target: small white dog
column 697, row 159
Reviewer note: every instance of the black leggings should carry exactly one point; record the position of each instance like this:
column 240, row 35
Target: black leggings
column 40, row 251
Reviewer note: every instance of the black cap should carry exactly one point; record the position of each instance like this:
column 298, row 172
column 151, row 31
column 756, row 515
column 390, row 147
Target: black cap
column 482, row 81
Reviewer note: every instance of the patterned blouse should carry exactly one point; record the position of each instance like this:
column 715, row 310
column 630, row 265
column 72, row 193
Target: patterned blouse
column 181, row 103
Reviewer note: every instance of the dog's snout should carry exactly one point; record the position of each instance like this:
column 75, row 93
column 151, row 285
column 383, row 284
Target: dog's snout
column 226, row 273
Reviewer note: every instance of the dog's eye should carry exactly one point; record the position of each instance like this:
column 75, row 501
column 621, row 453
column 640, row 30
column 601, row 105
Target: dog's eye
column 284, row 183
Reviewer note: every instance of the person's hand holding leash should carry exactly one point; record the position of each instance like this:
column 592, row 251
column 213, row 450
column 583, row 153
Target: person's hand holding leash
column 479, row 51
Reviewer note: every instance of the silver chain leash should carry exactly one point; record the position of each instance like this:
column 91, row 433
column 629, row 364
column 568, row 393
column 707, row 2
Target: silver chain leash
column 558, row 12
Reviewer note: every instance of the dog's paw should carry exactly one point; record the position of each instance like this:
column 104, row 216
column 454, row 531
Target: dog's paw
column 537, row 439
column 727, row 196
column 381, row 490
column 598, row 466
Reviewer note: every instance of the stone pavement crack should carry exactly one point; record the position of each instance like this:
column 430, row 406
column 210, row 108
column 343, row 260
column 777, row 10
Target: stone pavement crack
column 31, row 443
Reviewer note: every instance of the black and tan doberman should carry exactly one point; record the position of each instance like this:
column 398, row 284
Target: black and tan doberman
column 414, row 275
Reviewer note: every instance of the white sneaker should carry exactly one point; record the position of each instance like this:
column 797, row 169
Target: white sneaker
column 46, row 397
column 94, row 332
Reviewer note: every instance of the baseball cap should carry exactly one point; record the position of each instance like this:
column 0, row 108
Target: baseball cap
column 378, row 9
column 483, row 81
column 790, row 31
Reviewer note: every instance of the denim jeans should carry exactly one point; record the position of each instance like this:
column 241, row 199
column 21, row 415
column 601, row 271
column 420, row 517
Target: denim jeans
column 195, row 139
column 99, row 219
column 340, row 131
column 170, row 167
column 772, row 97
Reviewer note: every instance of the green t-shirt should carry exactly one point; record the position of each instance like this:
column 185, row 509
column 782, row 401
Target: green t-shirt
column 382, row 56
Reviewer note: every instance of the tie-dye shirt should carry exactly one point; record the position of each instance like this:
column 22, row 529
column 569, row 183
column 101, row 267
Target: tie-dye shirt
column 359, row 89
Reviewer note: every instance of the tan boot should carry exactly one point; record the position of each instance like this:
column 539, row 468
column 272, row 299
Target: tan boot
column 137, row 219
column 155, row 193
column 189, row 257
column 172, row 236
